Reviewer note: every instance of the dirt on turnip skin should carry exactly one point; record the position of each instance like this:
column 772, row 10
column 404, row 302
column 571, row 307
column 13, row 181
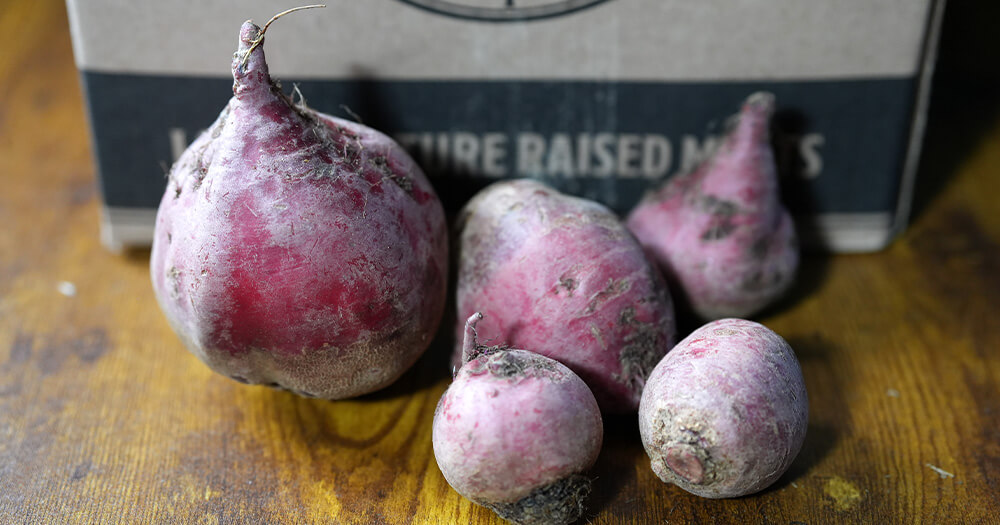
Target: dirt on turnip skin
column 298, row 250
column 726, row 411
column 562, row 276
column 515, row 432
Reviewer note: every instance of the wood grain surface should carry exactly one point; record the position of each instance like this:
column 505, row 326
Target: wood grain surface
column 106, row 418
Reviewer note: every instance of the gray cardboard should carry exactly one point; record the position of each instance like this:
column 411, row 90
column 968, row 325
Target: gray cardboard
column 470, row 91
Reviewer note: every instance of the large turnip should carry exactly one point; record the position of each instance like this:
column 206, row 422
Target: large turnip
column 295, row 249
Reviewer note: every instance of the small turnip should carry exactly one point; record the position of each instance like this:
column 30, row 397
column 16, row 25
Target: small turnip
column 720, row 232
column 515, row 432
column 725, row 412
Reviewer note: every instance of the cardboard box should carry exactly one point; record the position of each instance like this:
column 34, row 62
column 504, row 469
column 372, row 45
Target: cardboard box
column 602, row 98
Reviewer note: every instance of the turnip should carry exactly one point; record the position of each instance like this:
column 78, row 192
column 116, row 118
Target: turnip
column 562, row 276
column 295, row 249
column 725, row 412
column 515, row 432
column 720, row 232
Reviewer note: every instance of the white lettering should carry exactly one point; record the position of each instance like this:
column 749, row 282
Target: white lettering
column 426, row 149
column 530, row 150
column 583, row 154
column 628, row 153
column 656, row 157
column 441, row 152
column 560, row 159
column 809, row 149
column 465, row 147
column 494, row 152
column 603, row 142
column 178, row 142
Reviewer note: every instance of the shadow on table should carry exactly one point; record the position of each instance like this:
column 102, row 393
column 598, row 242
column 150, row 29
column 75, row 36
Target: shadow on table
column 825, row 389
column 965, row 97
column 613, row 472
column 813, row 268
column 812, row 272
column 137, row 254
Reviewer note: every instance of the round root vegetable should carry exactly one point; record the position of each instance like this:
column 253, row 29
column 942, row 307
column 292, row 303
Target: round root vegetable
column 515, row 431
column 562, row 276
column 720, row 232
column 298, row 250
column 725, row 412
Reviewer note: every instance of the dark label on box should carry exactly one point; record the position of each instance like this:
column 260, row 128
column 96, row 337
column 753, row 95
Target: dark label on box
column 839, row 144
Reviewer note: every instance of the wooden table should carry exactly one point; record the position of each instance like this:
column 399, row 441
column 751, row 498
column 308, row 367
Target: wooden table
column 105, row 417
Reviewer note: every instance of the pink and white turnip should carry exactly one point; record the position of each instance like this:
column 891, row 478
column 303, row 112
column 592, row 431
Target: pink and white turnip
column 562, row 276
column 720, row 232
column 726, row 411
column 298, row 250
column 515, row 432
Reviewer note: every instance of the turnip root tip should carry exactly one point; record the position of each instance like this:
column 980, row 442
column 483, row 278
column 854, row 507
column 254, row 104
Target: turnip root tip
column 562, row 501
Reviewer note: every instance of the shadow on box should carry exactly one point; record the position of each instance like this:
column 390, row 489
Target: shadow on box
column 965, row 97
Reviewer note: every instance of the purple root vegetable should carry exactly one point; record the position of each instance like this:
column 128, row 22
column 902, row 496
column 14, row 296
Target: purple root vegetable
column 720, row 232
column 725, row 413
column 562, row 276
column 298, row 250
column 515, row 432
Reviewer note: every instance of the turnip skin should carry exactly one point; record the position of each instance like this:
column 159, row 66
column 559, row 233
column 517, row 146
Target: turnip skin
column 563, row 277
column 726, row 411
column 298, row 250
column 515, row 432
column 720, row 232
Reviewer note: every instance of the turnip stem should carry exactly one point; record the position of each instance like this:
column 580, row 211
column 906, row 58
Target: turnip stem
column 471, row 342
column 285, row 12
column 260, row 36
